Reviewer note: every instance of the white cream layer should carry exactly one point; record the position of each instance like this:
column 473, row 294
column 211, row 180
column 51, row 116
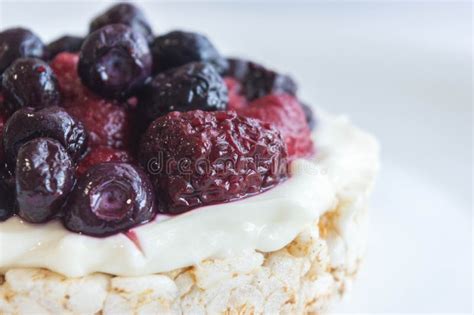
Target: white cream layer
column 345, row 165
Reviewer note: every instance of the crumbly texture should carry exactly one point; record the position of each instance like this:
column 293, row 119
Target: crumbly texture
column 303, row 277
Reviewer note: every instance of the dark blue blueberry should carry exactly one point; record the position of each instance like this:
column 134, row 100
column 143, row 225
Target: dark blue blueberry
column 193, row 86
column 7, row 195
column 30, row 82
column 65, row 43
column 19, row 42
column 44, row 177
column 124, row 13
column 258, row 81
column 178, row 48
column 52, row 122
column 110, row 198
column 114, row 61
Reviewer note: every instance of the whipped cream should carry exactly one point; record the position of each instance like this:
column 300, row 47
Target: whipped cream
column 342, row 168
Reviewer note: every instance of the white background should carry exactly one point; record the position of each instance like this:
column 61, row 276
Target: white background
column 402, row 70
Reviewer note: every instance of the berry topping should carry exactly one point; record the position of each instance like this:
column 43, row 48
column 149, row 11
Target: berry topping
column 287, row 115
column 7, row 194
column 199, row 158
column 64, row 66
column 308, row 111
column 114, row 61
column 52, row 122
column 101, row 155
column 107, row 123
column 124, row 13
column 16, row 43
column 178, row 48
column 30, row 82
column 65, row 43
column 44, row 176
column 257, row 81
column 193, row 86
column 236, row 99
column 110, row 198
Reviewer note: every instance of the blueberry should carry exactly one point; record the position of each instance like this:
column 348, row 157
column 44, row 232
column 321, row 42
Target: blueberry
column 52, row 122
column 7, row 193
column 65, row 43
column 193, row 86
column 110, row 198
column 308, row 111
column 19, row 42
column 178, row 48
column 258, row 81
column 124, row 13
column 114, row 61
column 44, row 177
column 30, row 82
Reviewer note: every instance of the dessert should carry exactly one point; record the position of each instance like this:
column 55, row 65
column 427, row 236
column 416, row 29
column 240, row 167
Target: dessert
column 150, row 174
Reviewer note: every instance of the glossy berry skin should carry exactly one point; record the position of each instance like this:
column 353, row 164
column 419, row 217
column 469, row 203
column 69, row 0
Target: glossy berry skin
column 110, row 198
column 7, row 193
column 44, row 177
column 200, row 158
column 17, row 43
column 286, row 114
column 258, row 81
column 107, row 123
column 100, row 155
column 64, row 66
column 178, row 48
column 30, row 82
column 52, row 122
column 114, row 61
column 124, row 13
column 66, row 43
column 193, row 86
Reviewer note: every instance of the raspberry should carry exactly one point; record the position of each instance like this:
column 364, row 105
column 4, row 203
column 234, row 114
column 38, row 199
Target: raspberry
column 64, row 66
column 108, row 123
column 286, row 114
column 100, row 155
column 236, row 99
column 200, row 158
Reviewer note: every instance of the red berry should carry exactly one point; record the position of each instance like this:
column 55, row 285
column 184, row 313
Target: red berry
column 108, row 123
column 199, row 158
column 100, row 155
column 286, row 114
column 236, row 99
column 64, row 66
